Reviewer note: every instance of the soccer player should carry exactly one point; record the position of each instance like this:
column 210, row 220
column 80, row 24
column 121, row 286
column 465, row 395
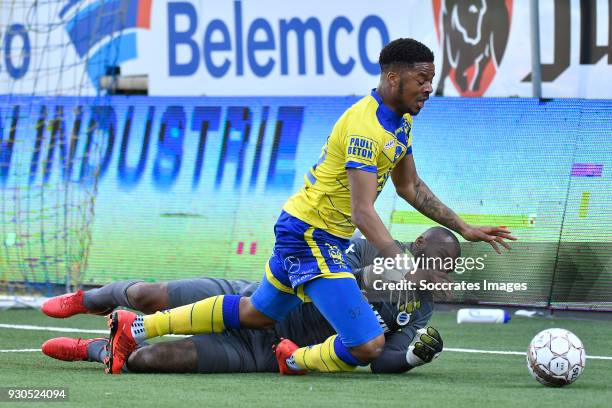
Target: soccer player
column 371, row 141
column 403, row 317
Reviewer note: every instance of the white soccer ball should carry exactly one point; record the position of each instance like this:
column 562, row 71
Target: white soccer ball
column 556, row 357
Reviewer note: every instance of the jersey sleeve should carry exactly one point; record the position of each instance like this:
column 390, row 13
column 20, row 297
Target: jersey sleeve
column 409, row 143
column 361, row 152
column 408, row 133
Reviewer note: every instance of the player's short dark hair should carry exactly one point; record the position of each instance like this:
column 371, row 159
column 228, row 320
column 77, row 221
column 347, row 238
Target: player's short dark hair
column 404, row 52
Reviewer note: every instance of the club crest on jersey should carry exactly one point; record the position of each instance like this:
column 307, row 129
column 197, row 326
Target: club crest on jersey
column 402, row 318
column 389, row 144
column 335, row 254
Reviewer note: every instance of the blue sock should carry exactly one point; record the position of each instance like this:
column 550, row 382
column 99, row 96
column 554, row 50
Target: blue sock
column 231, row 311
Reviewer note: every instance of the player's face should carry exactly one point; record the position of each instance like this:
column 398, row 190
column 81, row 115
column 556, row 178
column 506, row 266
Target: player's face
column 414, row 87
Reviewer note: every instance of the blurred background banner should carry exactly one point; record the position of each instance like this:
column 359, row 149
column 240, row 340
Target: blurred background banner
column 318, row 48
column 235, row 100
column 190, row 187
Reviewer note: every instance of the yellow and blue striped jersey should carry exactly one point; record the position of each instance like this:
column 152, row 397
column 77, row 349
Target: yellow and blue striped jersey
column 368, row 136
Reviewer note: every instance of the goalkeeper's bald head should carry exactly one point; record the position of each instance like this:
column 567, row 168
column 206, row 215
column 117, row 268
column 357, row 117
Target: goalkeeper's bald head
column 436, row 242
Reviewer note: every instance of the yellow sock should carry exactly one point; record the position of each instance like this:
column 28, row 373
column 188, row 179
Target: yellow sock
column 321, row 357
column 205, row 316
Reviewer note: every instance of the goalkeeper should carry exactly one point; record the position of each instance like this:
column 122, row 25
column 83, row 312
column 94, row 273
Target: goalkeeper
column 403, row 317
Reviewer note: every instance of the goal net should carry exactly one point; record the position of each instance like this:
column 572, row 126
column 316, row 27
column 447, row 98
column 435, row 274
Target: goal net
column 52, row 124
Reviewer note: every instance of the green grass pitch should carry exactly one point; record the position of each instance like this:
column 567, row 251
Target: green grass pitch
column 453, row 380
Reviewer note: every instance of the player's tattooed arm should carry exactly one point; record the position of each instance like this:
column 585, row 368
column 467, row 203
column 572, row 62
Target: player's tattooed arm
column 411, row 188
column 426, row 202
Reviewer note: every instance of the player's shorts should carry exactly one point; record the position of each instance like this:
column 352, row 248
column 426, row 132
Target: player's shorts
column 309, row 264
column 302, row 253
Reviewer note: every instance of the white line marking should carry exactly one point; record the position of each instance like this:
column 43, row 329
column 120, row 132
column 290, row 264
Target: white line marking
column 63, row 329
column 73, row 330
column 20, row 351
column 461, row 350
column 46, row 328
column 513, row 353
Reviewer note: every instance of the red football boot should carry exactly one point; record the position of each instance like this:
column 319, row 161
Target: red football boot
column 283, row 351
column 121, row 342
column 67, row 348
column 67, row 305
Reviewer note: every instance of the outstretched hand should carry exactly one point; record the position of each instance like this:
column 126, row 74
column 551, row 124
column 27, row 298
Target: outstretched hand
column 492, row 235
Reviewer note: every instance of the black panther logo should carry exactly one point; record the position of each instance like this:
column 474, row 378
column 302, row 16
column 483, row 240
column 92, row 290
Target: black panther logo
column 473, row 36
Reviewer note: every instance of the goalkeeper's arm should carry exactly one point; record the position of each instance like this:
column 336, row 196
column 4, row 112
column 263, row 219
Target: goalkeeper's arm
column 413, row 346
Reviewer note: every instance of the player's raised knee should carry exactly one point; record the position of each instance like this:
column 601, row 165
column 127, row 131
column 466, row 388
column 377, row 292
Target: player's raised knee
column 148, row 297
column 369, row 351
column 252, row 318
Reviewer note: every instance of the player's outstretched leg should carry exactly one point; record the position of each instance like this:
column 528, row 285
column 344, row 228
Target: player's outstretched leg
column 212, row 315
column 68, row 305
column 99, row 301
column 69, row 349
column 331, row 356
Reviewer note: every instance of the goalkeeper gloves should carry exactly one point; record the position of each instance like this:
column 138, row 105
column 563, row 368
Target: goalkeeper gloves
column 425, row 346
